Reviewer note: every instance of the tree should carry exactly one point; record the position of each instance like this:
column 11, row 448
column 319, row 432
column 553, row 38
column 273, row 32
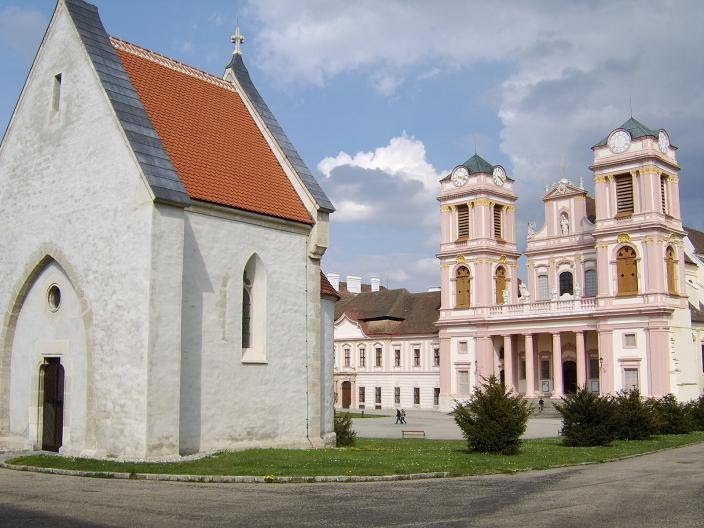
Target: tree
column 587, row 418
column 493, row 419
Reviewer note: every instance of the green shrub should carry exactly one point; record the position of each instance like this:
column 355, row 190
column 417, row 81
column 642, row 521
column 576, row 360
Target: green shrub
column 633, row 419
column 346, row 436
column 696, row 413
column 493, row 419
column 672, row 417
column 587, row 418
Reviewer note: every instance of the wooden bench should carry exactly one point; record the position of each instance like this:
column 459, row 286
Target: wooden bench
column 412, row 433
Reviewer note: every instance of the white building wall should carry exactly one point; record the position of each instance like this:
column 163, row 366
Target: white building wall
column 69, row 187
column 227, row 401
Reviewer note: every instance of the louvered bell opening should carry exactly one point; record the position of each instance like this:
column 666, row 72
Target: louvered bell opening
column 624, row 194
column 462, row 221
column 497, row 221
column 663, row 197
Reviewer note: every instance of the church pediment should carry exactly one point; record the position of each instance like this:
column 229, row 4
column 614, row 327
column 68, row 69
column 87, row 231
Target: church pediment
column 564, row 188
column 346, row 328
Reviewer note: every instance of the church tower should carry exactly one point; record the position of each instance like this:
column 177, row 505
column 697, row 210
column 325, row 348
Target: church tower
column 478, row 236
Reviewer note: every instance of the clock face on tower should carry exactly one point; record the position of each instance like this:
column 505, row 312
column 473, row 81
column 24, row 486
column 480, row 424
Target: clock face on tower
column 460, row 176
column 619, row 141
column 663, row 142
column 499, row 175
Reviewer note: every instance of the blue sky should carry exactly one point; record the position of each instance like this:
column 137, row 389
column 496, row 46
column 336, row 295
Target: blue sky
column 383, row 98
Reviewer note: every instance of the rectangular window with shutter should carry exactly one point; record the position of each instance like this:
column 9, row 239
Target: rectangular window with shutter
column 463, row 381
column 497, row 221
column 543, row 290
column 624, row 194
column 663, row 195
column 462, row 221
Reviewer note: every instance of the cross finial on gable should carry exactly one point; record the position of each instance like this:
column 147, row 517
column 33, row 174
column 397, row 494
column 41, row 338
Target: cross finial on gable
column 237, row 39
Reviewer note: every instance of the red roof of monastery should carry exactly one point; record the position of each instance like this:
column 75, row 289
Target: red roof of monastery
column 326, row 288
column 211, row 138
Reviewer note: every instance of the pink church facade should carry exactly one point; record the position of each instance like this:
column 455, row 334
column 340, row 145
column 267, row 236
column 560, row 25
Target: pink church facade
column 604, row 303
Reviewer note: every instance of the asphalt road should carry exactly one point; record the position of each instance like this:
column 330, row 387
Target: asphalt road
column 662, row 489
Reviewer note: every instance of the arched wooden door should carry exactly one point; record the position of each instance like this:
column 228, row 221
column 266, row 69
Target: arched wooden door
column 627, row 271
column 500, row 284
column 52, row 377
column 462, row 287
column 346, row 394
column 671, row 267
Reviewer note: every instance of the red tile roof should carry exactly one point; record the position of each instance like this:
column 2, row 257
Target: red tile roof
column 326, row 288
column 211, row 138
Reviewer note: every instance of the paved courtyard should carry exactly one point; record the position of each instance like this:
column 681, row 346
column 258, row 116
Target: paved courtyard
column 439, row 426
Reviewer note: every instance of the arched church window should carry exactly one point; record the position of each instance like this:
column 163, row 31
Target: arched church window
column 626, row 271
column 462, row 287
column 254, row 311
column 462, row 221
column 566, row 283
column 500, row 281
column 590, row 283
column 671, row 270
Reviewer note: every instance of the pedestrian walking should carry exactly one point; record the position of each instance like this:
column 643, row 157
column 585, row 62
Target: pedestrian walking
column 541, row 405
column 398, row 416
column 403, row 416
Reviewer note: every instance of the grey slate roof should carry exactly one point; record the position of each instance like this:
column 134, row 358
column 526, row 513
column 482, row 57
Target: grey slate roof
column 151, row 155
column 474, row 165
column 240, row 70
column 635, row 128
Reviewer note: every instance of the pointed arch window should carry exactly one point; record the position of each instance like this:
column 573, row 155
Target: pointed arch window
column 500, row 280
column 626, row 271
column 254, row 311
column 462, row 288
column 671, row 266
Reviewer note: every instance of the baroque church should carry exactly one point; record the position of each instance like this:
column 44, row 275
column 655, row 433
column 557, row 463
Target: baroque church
column 612, row 300
column 161, row 258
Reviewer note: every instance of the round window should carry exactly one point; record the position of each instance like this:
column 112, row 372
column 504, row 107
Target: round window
column 54, row 297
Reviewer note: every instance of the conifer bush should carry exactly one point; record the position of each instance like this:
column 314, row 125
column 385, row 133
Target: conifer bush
column 633, row 419
column 672, row 417
column 346, row 436
column 696, row 413
column 587, row 418
column 493, row 419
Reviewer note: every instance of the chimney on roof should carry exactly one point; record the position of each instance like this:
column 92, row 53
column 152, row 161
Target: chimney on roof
column 354, row 284
column 375, row 282
column 334, row 279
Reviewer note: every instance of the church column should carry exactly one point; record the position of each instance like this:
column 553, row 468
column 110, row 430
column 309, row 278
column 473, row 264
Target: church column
column 606, row 374
column 658, row 361
column 508, row 363
column 556, row 365
column 581, row 361
column 445, row 373
column 530, row 372
column 603, row 269
column 485, row 358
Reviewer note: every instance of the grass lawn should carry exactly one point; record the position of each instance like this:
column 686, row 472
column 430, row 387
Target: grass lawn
column 376, row 457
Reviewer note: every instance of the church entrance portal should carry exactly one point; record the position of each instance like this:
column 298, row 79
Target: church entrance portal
column 569, row 377
column 346, row 394
column 52, row 386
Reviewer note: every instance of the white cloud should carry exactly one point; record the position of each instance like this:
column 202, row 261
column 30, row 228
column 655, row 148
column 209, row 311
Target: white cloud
column 21, row 29
column 351, row 211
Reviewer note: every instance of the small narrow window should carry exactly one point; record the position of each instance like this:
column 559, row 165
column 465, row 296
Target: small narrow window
column 436, row 396
column 590, row 283
column 462, row 347
column 624, row 194
column 377, row 391
column 416, row 357
column 703, row 358
column 593, row 368
column 436, row 357
column 416, row 395
column 378, row 356
column 56, row 94
column 543, row 288
column 544, row 368
column 671, row 267
column 462, row 221
column 463, row 381
column 362, row 395
column 663, row 194
column 631, row 379
column 362, row 357
column 397, row 395
column 246, row 317
column 347, row 357
column 397, row 357
column 497, row 222
column 566, row 283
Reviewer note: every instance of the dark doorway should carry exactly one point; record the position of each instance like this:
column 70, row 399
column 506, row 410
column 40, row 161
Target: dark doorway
column 569, row 377
column 52, row 378
column 346, row 394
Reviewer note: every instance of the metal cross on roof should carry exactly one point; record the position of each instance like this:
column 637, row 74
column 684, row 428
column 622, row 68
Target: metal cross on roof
column 237, row 39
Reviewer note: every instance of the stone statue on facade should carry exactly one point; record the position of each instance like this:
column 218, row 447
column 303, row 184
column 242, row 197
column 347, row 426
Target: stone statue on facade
column 531, row 229
column 564, row 224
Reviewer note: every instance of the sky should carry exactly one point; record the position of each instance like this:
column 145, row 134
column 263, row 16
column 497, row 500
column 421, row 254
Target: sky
column 383, row 99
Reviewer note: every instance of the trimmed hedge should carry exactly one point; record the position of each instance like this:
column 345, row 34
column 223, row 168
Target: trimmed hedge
column 633, row 418
column 587, row 418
